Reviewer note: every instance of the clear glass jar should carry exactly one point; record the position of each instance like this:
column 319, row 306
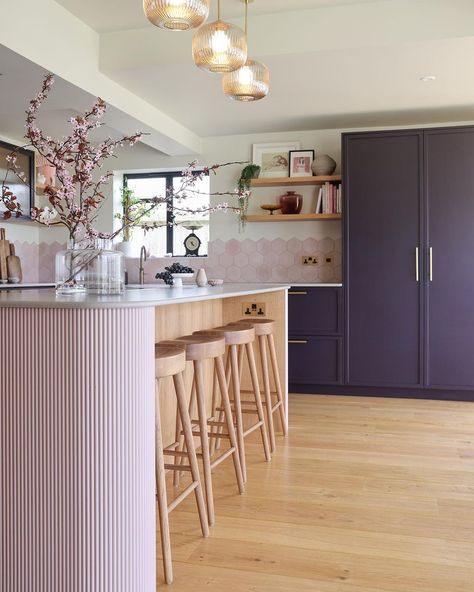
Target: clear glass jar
column 96, row 270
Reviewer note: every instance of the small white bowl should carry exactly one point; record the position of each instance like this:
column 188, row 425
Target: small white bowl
column 215, row 282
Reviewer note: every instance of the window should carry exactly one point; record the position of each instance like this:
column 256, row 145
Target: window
column 170, row 239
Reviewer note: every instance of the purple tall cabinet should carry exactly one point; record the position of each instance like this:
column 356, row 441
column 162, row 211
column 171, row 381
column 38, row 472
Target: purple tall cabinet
column 409, row 262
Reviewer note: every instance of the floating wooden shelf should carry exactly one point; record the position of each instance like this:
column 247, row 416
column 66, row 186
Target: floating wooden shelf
column 291, row 217
column 282, row 181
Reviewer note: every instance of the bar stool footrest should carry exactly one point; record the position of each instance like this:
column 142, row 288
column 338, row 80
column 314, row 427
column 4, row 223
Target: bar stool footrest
column 184, row 494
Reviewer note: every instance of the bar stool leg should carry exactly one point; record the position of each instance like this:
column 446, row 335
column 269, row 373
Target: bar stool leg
column 234, row 366
column 276, row 376
column 266, row 386
column 258, row 399
column 189, row 439
column 162, row 495
column 206, row 460
column 230, row 422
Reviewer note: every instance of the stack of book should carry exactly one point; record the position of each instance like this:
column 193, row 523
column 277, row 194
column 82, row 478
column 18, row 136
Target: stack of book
column 329, row 199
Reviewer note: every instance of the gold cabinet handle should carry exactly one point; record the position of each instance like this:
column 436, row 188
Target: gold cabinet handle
column 431, row 264
column 298, row 293
column 417, row 264
column 301, row 342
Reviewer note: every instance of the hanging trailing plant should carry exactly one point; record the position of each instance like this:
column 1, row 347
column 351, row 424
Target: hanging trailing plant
column 251, row 171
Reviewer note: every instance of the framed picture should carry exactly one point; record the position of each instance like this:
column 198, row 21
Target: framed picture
column 23, row 191
column 273, row 157
column 300, row 163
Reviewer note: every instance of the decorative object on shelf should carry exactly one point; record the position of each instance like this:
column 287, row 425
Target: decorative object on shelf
column 95, row 268
column 192, row 242
column 300, row 163
column 176, row 15
column 273, row 157
column 323, row 164
column 219, row 46
column 201, row 278
column 4, row 253
column 291, row 203
column 271, row 208
column 250, row 82
column 215, row 282
column 78, row 194
column 174, row 274
column 15, row 274
column 20, row 187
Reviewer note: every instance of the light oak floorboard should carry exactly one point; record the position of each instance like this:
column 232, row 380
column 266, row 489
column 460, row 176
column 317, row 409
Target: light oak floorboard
column 365, row 495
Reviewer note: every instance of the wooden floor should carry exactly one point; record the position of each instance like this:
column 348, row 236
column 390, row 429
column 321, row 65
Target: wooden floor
column 365, row 495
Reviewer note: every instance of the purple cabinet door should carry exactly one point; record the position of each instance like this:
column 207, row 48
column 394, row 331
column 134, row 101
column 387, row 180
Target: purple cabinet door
column 314, row 360
column 314, row 311
column 382, row 185
column 449, row 188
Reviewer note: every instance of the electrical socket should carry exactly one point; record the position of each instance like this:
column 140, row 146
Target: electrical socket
column 254, row 309
column 309, row 260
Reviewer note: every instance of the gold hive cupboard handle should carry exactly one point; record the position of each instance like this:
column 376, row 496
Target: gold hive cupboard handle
column 417, row 264
column 431, row 264
column 299, row 342
column 298, row 293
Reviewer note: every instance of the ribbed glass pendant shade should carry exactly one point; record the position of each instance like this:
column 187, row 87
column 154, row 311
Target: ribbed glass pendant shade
column 251, row 82
column 219, row 47
column 177, row 15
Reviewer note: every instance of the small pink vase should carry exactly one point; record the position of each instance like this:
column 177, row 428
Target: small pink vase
column 291, row 203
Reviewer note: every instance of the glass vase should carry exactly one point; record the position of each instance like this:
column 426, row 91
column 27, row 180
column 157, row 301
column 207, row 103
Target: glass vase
column 97, row 269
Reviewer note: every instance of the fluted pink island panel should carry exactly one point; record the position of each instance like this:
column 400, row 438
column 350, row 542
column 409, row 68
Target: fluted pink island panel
column 77, row 507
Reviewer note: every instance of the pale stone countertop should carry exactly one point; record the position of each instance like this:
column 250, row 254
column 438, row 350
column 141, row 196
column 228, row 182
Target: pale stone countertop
column 149, row 295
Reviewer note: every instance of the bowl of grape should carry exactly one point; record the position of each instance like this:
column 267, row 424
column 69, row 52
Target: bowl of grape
column 174, row 274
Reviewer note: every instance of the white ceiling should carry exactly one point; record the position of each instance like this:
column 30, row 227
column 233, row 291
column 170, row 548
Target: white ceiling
column 114, row 15
column 333, row 64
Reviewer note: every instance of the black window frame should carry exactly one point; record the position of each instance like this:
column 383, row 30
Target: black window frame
column 169, row 176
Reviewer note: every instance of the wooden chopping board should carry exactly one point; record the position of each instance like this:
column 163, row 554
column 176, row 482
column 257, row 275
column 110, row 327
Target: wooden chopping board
column 4, row 253
column 15, row 274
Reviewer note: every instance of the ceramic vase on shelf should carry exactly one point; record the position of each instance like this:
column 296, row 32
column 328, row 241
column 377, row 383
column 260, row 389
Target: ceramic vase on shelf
column 291, row 203
column 323, row 165
column 96, row 269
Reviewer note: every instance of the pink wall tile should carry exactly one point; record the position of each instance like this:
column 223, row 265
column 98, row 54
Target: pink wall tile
column 249, row 260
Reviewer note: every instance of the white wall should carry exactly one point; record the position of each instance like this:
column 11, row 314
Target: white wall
column 221, row 149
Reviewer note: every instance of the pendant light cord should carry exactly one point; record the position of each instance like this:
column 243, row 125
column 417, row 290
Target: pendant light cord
column 218, row 10
column 246, row 18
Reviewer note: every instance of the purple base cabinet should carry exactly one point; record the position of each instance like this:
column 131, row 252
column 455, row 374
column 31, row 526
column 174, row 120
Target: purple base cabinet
column 315, row 338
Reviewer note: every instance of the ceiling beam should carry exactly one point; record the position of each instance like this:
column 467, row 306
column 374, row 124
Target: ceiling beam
column 51, row 37
column 328, row 28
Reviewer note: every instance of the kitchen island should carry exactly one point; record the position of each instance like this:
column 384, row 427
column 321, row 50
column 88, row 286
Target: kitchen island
column 77, row 396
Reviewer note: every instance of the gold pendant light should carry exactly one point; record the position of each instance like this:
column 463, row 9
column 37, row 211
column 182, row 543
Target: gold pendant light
column 219, row 46
column 176, row 15
column 251, row 82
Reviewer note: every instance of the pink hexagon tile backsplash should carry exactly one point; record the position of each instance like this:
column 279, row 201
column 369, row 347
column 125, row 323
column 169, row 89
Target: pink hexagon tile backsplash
column 249, row 260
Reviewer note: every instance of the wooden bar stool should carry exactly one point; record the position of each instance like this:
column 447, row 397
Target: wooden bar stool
column 242, row 336
column 200, row 348
column 264, row 329
column 171, row 361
